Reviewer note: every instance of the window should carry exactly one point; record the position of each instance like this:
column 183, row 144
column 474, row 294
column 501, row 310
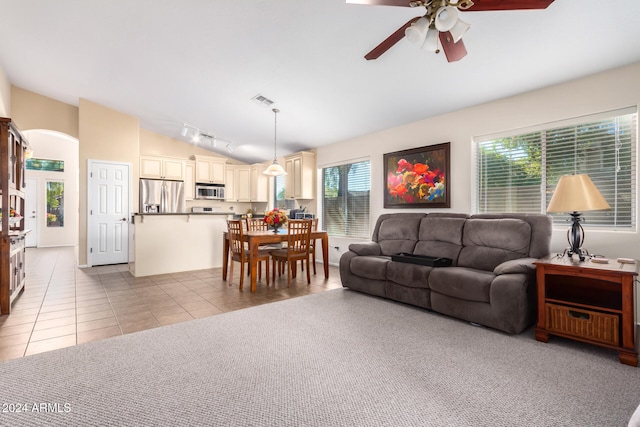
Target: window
column 518, row 173
column 55, row 204
column 279, row 199
column 345, row 199
column 45, row 165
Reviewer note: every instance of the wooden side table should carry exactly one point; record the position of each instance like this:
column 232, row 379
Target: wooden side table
column 588, row 302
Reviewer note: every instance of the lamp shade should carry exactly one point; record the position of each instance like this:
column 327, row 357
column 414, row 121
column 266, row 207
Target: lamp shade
column 446, row 18
column 417, row 31
column 576, row 193
column 458, row 30
column 431, row 41
column 274, row 169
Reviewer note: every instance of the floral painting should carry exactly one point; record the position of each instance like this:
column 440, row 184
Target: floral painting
column 417, row 178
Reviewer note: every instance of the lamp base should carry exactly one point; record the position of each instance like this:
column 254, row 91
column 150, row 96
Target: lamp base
column 582, row 253
column 575, row 237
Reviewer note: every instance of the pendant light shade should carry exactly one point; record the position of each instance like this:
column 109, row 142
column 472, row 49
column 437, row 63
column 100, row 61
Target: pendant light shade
column 274, row 168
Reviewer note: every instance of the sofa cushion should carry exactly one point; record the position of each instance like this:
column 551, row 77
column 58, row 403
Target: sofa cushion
column 410, row 275
column 440, row 237
column 490, row 242
column 370, row 267
column 397, row 235
column 462, row 283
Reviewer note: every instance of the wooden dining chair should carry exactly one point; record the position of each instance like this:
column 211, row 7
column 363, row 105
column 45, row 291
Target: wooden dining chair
column 239, row 251
column 312, row 245
column 298, row 249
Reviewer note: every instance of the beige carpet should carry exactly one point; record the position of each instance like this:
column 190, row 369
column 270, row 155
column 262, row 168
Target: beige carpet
column 339, row 358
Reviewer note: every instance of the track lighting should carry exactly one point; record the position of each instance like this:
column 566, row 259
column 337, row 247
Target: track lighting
column 198, row 135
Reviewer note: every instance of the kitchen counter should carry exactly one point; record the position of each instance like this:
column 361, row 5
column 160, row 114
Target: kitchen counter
column 171, row 243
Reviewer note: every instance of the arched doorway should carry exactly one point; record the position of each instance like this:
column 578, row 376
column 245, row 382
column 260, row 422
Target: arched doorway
column 52, row 186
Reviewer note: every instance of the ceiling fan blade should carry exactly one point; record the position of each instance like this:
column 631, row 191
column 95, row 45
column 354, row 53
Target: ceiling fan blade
column 404, row 3
column 389, row 41
column 453, row 51
column 481, row 5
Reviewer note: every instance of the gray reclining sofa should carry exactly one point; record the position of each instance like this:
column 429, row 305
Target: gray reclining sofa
column 491, row 280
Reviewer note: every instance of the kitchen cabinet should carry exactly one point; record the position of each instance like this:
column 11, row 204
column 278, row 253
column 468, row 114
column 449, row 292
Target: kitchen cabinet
column 189, row 180
column 236, row 188
column 242, row 183
column 13, row 147
column 300, row 181
column 229, row 185
column 161, row 168
column 259, row 183
column 210, row 170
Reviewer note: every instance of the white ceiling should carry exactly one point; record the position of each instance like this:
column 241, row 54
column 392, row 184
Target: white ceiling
column 201, row 61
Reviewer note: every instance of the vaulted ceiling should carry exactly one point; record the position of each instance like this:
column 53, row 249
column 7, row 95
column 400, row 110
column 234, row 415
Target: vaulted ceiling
column 201, row 62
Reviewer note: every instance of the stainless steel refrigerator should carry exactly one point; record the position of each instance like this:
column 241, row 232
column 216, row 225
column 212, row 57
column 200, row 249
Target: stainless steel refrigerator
column 161, row 196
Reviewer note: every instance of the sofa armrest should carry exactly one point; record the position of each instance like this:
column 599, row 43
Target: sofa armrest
column 514, row 266
column 369, row 248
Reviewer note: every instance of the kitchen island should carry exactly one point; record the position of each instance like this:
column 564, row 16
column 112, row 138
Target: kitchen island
column 171, row 243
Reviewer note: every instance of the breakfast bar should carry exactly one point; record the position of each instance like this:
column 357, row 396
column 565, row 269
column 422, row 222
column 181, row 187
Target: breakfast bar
column 171, row 243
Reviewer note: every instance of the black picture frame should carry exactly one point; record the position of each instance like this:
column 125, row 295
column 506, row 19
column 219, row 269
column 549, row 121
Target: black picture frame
column 418, row 177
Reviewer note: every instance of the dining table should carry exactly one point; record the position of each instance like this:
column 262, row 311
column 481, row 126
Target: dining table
column 257, row 238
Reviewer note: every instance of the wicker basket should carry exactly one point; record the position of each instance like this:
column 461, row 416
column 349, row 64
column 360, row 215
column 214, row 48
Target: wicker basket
column 586, row 324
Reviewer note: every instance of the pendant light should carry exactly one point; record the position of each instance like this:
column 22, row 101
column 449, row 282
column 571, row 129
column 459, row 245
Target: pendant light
column 274, row 168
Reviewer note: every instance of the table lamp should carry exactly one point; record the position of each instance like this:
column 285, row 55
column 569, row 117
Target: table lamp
column 575, row 194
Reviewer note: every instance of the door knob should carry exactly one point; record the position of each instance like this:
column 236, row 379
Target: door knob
column 123, row 219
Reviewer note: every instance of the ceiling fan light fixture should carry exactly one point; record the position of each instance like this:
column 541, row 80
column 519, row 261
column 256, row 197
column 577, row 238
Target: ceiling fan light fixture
column 458, row 30
column 229, row 148
column 185, row 130
column 446, row 18
column 417, row 31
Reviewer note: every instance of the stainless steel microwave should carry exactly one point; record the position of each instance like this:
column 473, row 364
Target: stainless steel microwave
column 210, row 191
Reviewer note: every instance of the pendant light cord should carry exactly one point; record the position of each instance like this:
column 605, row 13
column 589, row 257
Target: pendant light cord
column 275, row 131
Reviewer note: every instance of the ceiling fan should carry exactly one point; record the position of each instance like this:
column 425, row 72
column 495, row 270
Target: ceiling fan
column 440, row 25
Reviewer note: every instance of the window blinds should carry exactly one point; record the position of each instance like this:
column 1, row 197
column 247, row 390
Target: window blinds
column 346, row 192
column 518, row 173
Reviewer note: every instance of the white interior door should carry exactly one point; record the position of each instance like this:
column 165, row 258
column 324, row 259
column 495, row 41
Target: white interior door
column 31, row 212
column 109, row 212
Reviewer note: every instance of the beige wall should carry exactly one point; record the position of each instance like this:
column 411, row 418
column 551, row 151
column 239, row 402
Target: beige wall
column 33, row 111
column 610, row 90
column 5, row 95
column 105, row 134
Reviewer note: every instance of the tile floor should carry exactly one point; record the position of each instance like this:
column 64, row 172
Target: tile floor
column 63, row 305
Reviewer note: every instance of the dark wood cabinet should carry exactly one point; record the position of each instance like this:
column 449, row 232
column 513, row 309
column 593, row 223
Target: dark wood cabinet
column 589, row 302
column 13, row 148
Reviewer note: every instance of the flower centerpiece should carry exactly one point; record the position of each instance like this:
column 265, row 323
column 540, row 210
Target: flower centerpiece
column 14, row 217
column 275, row 219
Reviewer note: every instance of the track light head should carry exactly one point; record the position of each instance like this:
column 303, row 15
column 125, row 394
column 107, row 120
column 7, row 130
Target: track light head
column 196, row 136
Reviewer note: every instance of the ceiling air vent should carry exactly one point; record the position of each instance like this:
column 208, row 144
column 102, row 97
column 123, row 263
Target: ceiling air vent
column 263, row 100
